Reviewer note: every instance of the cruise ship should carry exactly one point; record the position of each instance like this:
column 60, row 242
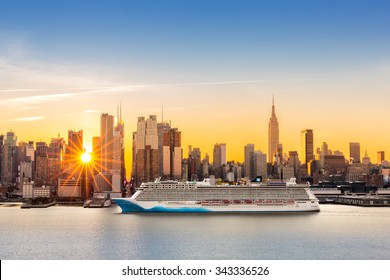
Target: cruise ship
column 194, row 197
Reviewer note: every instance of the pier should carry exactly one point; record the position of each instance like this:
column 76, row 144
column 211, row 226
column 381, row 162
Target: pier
column 28, row 206
column 365, row 201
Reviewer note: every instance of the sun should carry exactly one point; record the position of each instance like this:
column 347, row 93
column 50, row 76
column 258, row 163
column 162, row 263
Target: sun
column 86, row 157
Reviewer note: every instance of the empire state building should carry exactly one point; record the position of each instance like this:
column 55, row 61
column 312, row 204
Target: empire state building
column 273, row 134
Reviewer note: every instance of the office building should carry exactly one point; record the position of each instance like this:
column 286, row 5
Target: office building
column 41, row 149
column 106, row 138
column 118, row 161
column 145, row 150
column 219, row 155
column 366, row 159
column 74, row 150
column 293, row 161
column 354, row 152
column 9, row 159
column 248, row 160
column 69, row 189
column 161, row 127
column 259, row 164
column 307, row 145
column 172, row 154
column 1, row 156
column 380, row 157
column 96, row 154
column 10, row 139
column 334, row 164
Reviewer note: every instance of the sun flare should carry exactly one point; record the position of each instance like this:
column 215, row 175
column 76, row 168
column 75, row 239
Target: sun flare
column 86, row 157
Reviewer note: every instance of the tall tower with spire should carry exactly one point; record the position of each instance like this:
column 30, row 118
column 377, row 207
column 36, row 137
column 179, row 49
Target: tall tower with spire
column 273, row 134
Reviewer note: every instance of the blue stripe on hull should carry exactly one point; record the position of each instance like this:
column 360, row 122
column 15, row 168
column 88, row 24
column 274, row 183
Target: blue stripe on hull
column 128, row 206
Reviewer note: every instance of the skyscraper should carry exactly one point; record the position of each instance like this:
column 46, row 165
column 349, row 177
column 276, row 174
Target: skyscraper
column 307, row 145
column 161, row 127
column 96, row 154
column 25, row 163
column 219, row 155
column 41, row 163
column 293, row 161
column 107, row 143
column 11, row 138
column 118, row 165
column 366, row 159
column 1, row 156
column 381, row 157
column 273, row 134
column 75, row 143
column 108, row 152
column 57, row 148
column 74, row 150
column 9, row 159
column 248, row 160
column 260, row 164
column 172, row 154
column 145, row 150
column 354, row 152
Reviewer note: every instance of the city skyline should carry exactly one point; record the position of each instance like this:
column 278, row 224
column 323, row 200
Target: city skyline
column 324, row 149
column 326, row 62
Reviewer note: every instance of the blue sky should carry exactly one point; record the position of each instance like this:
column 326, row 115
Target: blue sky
column 208, row 62
column 236, row 39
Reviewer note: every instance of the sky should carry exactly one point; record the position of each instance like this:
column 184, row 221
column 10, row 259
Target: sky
column 212, row 65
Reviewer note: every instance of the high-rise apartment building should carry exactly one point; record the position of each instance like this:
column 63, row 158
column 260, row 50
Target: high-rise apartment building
column 307, row 145
column 354, row 152
column 145, row 150
column 273, row 134
column 248, row 160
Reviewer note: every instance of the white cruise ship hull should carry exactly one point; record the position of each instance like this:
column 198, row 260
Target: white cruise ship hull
column 130, row 205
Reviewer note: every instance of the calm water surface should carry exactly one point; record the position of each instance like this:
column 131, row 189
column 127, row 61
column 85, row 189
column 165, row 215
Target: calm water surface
column 337, row 232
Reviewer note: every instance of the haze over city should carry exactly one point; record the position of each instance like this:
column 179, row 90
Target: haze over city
column 212, row 65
